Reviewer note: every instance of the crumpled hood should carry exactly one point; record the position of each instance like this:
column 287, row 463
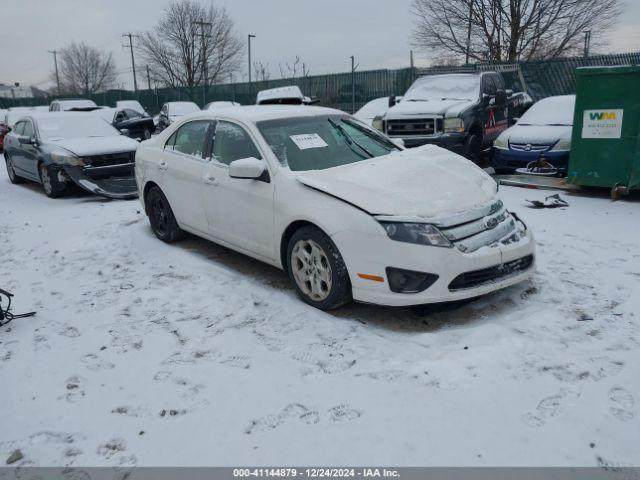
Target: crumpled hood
column 450, row 108
column 424, row 182
column 84, row 147
column 537, row 134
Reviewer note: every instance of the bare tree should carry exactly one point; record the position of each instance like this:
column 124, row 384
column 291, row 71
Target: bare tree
column 191, row 41
column 509, row 30
column 290, row 70
column 261, row 70
column 85, row 69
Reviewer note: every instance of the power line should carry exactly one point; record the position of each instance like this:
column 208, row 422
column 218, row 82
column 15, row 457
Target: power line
column 133, row 62
column 55, row 61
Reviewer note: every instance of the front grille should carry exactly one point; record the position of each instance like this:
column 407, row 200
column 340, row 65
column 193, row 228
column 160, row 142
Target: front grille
column 529, row 147
column 485, row 226
column 110, row 165
column 411, row 127
column 109, row 160
column 490, row 274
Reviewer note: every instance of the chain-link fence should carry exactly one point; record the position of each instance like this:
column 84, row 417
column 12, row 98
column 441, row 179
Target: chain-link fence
column 349, row 91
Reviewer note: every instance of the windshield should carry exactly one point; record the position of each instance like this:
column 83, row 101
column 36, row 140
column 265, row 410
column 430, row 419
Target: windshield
column 318, row 143
column 182, row 108
column 550, row 111
column 75, row 127
column 444, row 87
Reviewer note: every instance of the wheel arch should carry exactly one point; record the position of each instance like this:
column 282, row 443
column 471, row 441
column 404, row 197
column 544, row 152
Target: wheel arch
column 147, row 187
column 288, row 232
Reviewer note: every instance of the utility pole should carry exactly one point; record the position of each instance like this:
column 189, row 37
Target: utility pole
column 466, row 62
column 353, row 84
column 148, row 78
column 55, row 61
column 133, row 63
column 587, row 42
column 249, row 37
column 205, row 62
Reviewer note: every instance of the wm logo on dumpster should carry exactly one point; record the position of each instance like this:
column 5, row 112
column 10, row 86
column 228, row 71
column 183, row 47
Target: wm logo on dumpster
column 602, row 116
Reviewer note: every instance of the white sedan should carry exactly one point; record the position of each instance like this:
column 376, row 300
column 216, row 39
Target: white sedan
column 348, row 213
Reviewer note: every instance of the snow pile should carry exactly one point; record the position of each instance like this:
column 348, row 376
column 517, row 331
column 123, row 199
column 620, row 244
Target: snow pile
column 149, row 354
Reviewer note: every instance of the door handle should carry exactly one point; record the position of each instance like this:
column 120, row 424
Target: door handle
column 211, row 180
column 162, row 165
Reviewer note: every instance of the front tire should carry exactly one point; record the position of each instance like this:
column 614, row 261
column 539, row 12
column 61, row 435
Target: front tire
column 52, row 187
column 473, row 148
column 163, row 221
column 317, row 270
column 13, row 177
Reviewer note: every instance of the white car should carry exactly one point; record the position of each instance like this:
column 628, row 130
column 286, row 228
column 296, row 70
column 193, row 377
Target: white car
column 172, row 111
column 220, row 104
column 73, row 104
column 348, row 213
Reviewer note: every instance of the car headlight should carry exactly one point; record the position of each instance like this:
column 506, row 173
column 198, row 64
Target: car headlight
column 563, row 144
column 418, row 233
column 501, row 142
column 67, row 159
column 453, row 125
column 378, row 124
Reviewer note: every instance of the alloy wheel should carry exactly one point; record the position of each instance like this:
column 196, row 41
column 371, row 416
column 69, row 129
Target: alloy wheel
column 46, row 179
column 311, row 270
column 10, row 170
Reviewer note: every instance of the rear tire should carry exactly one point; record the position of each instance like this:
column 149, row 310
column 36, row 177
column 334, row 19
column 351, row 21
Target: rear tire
column 13, row 177
column 473, row 148
column 52, row 187
column 317, row 270
column 163, row 221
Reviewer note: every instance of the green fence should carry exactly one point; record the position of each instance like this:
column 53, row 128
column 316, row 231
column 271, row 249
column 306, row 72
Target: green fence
column 540, row 79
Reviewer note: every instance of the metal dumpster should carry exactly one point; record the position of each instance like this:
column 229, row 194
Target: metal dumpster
column 605, row 143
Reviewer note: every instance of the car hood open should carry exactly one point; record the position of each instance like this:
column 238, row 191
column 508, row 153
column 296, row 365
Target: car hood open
column 88, row 146
column 422, row 182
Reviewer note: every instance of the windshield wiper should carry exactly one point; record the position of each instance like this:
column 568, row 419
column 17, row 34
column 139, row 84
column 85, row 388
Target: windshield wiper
column 350, row 141
column 372, row 135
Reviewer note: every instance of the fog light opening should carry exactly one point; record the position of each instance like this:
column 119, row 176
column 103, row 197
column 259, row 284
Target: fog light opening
column 409, row 281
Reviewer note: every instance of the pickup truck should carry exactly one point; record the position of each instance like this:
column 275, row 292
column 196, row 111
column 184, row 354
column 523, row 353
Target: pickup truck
column 462, row 112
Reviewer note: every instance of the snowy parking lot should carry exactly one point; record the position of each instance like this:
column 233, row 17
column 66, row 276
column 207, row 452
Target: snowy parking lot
column 144, row 353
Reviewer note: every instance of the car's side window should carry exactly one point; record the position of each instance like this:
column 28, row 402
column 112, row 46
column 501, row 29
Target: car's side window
column 488, row 86
column 28, row 130
column 190, row 138
column 232, row 142
column 18, row 128
column 131, row 114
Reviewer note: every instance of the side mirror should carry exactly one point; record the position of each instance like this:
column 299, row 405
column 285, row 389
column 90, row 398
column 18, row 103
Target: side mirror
column 247, row 168
column 501, row 98
column 392, row 101
column 23, row 140
column 124, row 131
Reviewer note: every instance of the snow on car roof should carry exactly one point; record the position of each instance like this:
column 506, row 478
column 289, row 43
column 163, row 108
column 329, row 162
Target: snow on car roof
column 290, row 91
column 259, row 113
column 36, row 115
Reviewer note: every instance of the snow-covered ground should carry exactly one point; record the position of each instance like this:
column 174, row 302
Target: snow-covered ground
column 149, row 354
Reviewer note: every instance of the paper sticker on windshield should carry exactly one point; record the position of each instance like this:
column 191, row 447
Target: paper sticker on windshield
column 309, row 140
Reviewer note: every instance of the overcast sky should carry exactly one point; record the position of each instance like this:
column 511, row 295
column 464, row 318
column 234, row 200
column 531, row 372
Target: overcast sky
column 323, row 32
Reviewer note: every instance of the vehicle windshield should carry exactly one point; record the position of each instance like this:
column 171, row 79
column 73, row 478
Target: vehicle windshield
column 321, row 142
column 553, row 111
column 182, row 108
column 75, row 127
column 444, row 87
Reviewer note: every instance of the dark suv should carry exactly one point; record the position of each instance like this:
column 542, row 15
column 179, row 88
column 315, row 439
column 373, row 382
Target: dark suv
column 463, row 112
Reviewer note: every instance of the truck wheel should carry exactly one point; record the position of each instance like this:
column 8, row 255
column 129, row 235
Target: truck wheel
column 52, row 187
column 473, row 148
column 317, row 270
column 163, row 221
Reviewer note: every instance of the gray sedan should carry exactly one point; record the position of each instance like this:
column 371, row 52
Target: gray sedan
column 55, row 149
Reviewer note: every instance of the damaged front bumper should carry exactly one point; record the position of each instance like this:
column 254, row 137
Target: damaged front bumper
column 111, row 181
